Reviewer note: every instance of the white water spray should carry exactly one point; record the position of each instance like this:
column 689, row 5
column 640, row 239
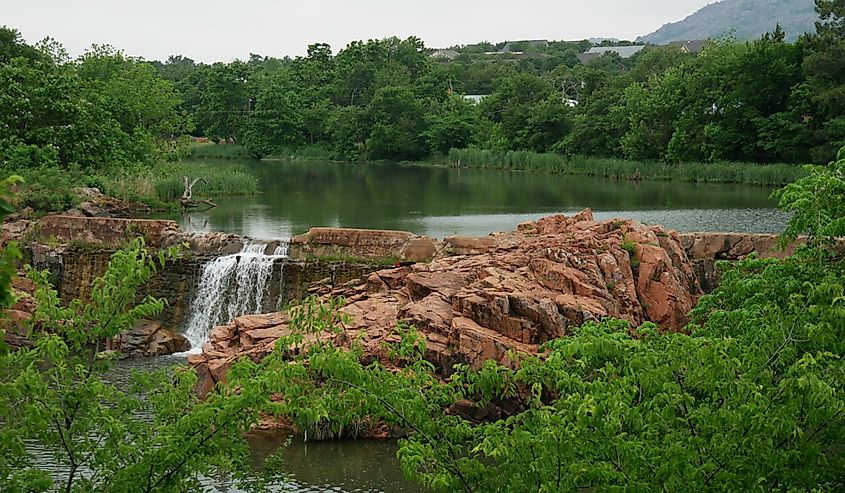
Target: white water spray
column 231, row 286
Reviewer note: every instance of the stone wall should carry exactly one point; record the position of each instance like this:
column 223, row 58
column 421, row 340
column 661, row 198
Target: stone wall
column 74, row 269
column 299, row 276
column 368, row 244
column 104, row 231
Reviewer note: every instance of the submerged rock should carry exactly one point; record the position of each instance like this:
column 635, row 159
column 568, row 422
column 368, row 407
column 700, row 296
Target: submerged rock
column 479, row 300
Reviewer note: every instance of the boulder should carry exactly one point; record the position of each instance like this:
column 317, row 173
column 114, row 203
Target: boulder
column 149, row 338
column 96, row 204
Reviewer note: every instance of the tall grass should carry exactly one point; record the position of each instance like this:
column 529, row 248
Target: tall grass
column 223, row 180
column 218, row 151
column 721, row 172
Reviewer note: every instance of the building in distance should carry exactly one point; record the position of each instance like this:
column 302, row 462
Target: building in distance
column 622, row 51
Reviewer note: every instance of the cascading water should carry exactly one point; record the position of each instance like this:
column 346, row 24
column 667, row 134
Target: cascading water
column 231, row 286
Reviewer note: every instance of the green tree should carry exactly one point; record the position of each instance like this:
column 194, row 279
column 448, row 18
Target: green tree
column 224, row 100
column 54, row 399
column 398, row 125
column 100, row 113
column 276, row 123
column 452, row 124
column 824, row 90
column 144, row 105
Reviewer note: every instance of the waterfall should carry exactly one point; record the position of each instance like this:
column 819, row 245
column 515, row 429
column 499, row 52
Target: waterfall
column 231, row 286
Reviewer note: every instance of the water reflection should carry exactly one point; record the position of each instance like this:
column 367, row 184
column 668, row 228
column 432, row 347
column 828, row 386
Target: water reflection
column 440, row 201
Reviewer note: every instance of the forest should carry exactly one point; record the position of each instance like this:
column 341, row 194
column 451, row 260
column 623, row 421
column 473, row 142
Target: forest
column 762, row 101
column 111, row 120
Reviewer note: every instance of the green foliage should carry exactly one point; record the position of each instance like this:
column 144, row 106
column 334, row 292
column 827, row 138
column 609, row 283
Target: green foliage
column 67, row 123
column 817, row 202
column 753, row 398
column 218, row 151
column 223, row 179
column 51, row 189
column 153, row 434
column 452, row 125
column 100, row 112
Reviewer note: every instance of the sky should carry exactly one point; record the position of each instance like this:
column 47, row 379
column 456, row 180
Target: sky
column 216, row 30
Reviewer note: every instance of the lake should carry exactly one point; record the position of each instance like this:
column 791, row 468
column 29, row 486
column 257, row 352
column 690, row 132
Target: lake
column 440, row 202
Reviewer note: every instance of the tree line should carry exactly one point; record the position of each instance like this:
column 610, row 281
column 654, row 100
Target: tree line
column 761, row 101
column 101, row 110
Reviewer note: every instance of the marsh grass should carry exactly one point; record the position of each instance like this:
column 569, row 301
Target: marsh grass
column 223, row 180
column 720, row 172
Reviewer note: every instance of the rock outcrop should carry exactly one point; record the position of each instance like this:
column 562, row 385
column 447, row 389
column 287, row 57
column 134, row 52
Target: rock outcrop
column 149, row 338
column 508, row 292
column 14, row 320
column 366, row 244
column 705, row 249
column 97, row 204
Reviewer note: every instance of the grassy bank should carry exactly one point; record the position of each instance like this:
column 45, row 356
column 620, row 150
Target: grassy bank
column 315, row 152
column 721, row 172
column 52, row 189
column 223, row 180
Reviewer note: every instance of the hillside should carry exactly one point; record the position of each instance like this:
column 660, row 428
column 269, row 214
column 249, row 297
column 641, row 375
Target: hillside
column 748, row 19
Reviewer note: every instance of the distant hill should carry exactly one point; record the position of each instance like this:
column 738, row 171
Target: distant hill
column 749, row 19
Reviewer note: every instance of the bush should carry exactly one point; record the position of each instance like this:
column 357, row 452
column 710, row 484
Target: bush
column 51, row 189
column 218, row 151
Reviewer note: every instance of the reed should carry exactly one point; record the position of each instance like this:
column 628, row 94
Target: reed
column 223, row 180
column 718, row 172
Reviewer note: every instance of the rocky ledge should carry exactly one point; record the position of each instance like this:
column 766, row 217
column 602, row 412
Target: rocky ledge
column 480, row 298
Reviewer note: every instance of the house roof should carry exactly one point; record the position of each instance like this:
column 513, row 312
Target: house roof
column 475, row 98
column 622, row 51
column 691, row 45
column 586, row 58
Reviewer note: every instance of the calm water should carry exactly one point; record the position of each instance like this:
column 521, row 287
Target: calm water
column 440, row 202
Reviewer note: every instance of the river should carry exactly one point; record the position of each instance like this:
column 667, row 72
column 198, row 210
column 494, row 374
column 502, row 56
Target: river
column 440, row 202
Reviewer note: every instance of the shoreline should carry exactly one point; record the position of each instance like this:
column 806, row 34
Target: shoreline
column 771, row 175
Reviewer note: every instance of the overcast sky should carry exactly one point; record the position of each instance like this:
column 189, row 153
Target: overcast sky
column 216, row 30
